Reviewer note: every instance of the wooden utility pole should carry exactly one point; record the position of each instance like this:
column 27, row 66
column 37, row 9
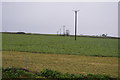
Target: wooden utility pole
column 63, row 30
column 75, row 22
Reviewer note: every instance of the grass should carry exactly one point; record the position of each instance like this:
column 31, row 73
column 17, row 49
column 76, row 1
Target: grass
column 60, row 45
column 38, row 52
column 74, row 64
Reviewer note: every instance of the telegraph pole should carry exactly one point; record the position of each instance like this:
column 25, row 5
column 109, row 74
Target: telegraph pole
column 60, row 31
column 75, row 22
column 57, row 33
column 63, row 30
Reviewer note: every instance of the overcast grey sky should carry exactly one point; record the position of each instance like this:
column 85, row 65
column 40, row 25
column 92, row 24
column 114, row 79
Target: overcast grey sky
column 48, row 17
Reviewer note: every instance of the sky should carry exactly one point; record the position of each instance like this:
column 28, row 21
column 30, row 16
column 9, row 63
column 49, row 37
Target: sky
column 94, row 18
column 59, row 0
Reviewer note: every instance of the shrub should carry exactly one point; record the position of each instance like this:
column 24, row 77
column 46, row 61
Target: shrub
column 48, row 74
column 16, row 73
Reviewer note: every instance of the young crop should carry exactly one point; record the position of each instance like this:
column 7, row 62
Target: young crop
column 60, row 45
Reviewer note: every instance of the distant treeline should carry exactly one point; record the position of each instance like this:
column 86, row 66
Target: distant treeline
column 14, row 32
column 98, row 36
column 60, row 35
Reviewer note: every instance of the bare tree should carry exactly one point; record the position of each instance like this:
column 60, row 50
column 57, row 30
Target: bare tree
column 104, row 35
column 67, row 32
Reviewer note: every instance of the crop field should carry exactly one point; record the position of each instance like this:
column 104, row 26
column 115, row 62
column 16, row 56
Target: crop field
column 64, row 63
column 60, row 45
column 62, row 53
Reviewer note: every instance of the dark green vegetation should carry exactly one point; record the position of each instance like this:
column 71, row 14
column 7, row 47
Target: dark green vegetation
column 17, row 73
column 60, row 44
column 55, row 74
column 49, row 74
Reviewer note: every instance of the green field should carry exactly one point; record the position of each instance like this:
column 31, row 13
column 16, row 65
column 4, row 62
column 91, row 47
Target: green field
column 60, row 45
column 38, row 52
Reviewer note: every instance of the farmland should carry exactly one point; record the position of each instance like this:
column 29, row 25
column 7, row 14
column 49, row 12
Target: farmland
column 64, row 54
column 60, row 45
column 63, row 63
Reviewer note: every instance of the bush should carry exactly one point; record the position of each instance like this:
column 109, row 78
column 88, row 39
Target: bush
column 48, row 74
column 17, row 73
